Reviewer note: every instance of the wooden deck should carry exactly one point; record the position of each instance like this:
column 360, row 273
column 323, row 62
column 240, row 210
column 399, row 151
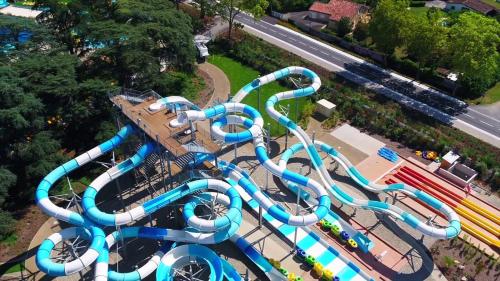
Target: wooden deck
column 156, row 126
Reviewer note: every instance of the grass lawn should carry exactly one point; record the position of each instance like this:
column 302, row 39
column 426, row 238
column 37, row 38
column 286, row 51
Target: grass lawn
column 491, row 96
column 240, row 75
column 419, row 11
column 14, row 268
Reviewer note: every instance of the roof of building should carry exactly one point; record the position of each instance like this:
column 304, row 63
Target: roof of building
column 337, row 9
column 451, row 157
column 475, row 5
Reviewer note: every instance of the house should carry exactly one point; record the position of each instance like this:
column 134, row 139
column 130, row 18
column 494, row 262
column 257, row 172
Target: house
column 330, row 13
column 473, row 5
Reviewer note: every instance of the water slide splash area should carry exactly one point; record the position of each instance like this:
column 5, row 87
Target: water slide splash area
column 181, row 246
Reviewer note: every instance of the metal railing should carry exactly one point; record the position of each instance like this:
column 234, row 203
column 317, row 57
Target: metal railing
column 133, row 96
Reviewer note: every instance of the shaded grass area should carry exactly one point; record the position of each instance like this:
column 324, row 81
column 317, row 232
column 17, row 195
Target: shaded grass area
column 239, row 75
column 419, row 11
column 14, row 268
column 491, row 96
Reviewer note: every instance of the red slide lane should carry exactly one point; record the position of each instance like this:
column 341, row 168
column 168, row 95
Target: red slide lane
column 480, row 210
column 473, row 195
column 410, row 181
column 426, row 180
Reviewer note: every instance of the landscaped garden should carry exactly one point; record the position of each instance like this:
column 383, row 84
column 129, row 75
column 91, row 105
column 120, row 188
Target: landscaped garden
column 457, row 258
column 240, row 75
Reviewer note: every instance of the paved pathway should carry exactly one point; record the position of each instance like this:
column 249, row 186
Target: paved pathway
column 222, row 87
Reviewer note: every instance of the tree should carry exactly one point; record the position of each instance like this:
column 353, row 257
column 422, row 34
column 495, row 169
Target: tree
column 207, row 7
column 138, row 39
column 344, row 26
column 285, row 6
column 361, row 31
column 33, row 160
column 20, row 111
column 473, row 51
column 386, row 25
column 41, row 39
column 229, row 9
column 425, row 41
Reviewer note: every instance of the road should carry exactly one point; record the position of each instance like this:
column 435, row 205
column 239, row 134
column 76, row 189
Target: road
column 410, row 93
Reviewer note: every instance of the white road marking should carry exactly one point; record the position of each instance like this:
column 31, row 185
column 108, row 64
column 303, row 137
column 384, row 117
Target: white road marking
column 486, row 123
column 472, row 109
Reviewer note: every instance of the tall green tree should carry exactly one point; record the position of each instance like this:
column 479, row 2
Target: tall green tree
column 229, row 9
column 425, row 40
column 207, row 7
column 388, row 18
column 20, row 111
column 473, row 51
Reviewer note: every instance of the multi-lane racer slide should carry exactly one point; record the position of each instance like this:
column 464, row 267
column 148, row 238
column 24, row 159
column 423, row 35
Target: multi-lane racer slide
column 90, row 224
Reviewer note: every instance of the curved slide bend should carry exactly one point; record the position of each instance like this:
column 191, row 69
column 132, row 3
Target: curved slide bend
column 255, row 133
column 186, row 254
column 95, row 234
column 453, row 228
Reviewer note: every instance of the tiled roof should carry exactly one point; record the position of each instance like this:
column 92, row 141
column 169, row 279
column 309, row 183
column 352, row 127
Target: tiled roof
column 336, row 9
column 476, row 5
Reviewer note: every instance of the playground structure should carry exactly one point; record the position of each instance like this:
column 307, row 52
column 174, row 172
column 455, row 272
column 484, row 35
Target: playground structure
column 167, row 132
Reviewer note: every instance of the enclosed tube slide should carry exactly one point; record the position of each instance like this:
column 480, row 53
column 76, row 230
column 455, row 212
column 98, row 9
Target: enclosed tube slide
column 172, row 102
column 245, row 247
column 254, row 132
column 96, row 234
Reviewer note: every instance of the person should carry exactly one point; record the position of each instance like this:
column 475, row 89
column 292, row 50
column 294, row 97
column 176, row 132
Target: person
column 468, row 189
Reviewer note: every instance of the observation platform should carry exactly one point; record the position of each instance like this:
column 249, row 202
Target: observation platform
column 135, row 106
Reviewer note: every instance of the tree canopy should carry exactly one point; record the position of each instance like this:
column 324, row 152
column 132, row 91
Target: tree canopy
column 386, row 27
column 473, row 46
column 466, row 42
column 229, row 9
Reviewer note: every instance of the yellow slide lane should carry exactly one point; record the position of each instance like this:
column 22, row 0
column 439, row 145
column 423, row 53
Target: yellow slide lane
column 477, row 220
column 485, row 213
column 479, row 235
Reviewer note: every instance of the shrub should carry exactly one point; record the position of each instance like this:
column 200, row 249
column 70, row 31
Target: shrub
column 331, row 121
column 361, row 31
column 307, row 112
column 6, row 224
column 448, row 262
column 344, row 26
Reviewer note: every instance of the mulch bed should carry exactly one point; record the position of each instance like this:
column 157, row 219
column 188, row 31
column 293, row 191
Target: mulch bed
column 205, row 95
column 459, row 260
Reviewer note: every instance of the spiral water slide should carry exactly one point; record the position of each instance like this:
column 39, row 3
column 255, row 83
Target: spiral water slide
column 254, row 132
column 89, row 225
